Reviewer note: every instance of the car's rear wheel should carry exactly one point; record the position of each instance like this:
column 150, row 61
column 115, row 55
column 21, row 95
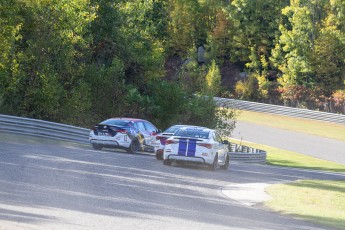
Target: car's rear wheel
column 226, row 164
column 214, row 165
column 97, row 147
column 167, row 162
column 159, row 154
column 134, row 147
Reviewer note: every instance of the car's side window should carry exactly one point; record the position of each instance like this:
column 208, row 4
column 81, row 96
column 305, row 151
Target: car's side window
column 150, row 127
column 135, row 125
column 141, row 126
column 214, row 136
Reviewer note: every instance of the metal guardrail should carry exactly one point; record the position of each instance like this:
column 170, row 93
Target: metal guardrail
column 52, row 130
column 280, row 110
column 40, row 128
column 246, row 154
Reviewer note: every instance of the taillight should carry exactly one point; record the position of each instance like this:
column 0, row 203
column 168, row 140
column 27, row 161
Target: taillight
column 209, row 146
column 168, row 142
column 123, row 131
column 94, row 128
column 159, row 137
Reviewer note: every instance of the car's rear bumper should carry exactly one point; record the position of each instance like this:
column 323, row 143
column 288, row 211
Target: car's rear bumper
column 108, row 143
column 199, row 160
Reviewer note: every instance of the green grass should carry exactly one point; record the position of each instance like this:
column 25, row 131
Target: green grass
column 280, row 157
column 324, row 129
column 321, row 202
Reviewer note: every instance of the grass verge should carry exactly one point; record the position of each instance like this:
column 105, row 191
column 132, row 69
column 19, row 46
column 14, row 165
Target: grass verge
column 286, row 158
column 322, row 202
column 317, row 201
column 324, row 129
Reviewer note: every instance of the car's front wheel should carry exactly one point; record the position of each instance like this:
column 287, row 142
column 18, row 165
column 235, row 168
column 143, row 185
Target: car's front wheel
column 97, row 147
column 134, row 147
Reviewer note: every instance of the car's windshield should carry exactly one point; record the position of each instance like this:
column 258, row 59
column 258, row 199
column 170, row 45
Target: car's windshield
column 192, row 133
column 115, row 122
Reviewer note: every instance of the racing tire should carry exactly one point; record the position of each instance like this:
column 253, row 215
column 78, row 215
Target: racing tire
column 226, row 164
column 167, row 162
column 214, row 165
column 97, row 147
column 134, row 147
column 159, row 157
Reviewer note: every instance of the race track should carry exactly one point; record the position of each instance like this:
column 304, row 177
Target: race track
column 312, row 145
column 52, row 186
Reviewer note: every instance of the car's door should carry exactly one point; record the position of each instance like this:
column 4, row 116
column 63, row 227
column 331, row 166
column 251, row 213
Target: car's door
column 222, row 148
column 151, row 132
column 216, row 143
column 142, row 132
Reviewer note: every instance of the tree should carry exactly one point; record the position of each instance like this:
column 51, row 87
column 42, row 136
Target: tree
column 183, row 26
column 292, row 54
column 43, row 74
column 255, row 26
column 329, row 53
column 213, row 79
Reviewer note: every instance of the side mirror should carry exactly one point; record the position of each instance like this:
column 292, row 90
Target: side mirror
column 225, row 142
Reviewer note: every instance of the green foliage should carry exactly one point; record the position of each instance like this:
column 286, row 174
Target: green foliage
column 169, row 103
column 295, row 45
column 226, row 121
column 302, row 97
column 107, row 88
column 81, row 61
column 213, row 79
column 43, row 69
column 328, row 61
column 338, row 98
column 183, row 25
column 248, row 89
column 192, row 76
column 255, row 26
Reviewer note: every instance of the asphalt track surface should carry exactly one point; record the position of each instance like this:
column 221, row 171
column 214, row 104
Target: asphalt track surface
column 312, row 145
column 48, row 185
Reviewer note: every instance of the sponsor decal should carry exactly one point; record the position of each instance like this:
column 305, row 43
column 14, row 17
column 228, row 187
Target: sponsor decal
column 191, row 148
column 186, row 148
column 182, row 147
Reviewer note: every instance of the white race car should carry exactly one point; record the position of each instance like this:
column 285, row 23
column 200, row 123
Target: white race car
column 161, row 138
column 197, row 145
column 124, row 133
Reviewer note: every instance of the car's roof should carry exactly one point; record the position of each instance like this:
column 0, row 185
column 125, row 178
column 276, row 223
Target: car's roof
column 193, row 132
column 179, row 127
column 197, row 128
column 186, row 126
column 126, row 119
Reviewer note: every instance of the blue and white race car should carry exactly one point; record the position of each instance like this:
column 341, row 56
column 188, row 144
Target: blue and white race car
column 197, row 145
column 161, row 138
